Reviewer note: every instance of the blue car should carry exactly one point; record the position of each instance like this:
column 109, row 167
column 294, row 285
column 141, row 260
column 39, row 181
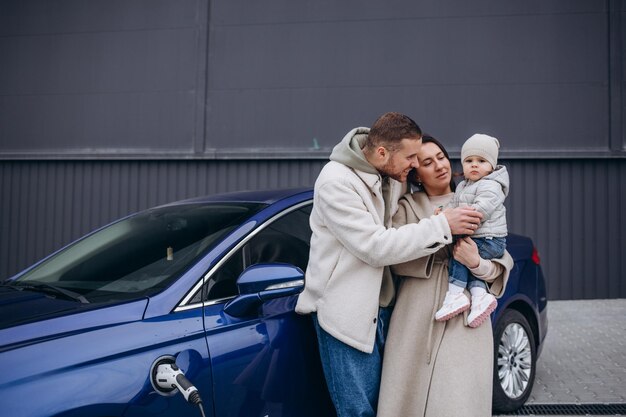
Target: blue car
column 188, row 309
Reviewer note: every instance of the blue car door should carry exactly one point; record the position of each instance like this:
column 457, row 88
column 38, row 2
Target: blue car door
column 264, row 362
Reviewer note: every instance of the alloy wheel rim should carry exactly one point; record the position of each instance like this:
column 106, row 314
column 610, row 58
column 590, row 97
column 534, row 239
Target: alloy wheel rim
column 514, row 360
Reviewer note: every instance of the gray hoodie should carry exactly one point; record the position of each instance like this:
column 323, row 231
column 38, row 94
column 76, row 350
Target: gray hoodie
column 487, row 195
column 349, row 152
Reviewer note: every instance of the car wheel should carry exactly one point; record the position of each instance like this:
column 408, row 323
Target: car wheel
column 515, row 362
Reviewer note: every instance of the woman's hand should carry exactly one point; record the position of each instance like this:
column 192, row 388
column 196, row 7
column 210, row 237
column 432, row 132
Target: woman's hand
column 466, row 252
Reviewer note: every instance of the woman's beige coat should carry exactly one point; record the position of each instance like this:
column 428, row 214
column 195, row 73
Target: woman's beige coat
column 430, row 368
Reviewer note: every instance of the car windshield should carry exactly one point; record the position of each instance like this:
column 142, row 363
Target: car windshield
column 139, row 255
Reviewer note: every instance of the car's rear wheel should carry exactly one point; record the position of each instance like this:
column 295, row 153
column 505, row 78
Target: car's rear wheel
column 515, row 362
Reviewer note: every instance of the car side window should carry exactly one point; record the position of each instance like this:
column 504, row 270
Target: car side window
column 286, row 240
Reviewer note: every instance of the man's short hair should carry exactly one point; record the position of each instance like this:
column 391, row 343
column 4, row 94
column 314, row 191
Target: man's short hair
column 389, row 129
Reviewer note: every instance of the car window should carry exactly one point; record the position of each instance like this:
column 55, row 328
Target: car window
column 139, row 255
column 285, row 240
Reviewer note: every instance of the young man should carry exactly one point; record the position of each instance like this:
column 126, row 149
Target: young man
column 348, row 286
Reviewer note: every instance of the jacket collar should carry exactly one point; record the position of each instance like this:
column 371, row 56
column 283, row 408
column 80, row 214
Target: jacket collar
column 373, row 181
column 419, row 203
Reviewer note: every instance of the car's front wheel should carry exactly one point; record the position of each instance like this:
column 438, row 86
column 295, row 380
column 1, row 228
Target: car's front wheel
column 515, row 362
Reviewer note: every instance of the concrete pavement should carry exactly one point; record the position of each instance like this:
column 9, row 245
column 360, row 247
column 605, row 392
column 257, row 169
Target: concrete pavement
column 583, row 362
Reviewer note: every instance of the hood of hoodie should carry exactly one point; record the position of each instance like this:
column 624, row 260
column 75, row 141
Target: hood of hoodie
column 501, row 176
column 350, row 151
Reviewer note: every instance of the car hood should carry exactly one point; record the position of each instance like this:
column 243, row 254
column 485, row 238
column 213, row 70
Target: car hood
column 26, row 315
column 18, row 307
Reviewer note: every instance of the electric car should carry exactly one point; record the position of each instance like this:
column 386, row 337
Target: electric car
column 193, row 303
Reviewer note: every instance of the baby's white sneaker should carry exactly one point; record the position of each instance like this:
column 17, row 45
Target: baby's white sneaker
column 482, row 306
column 453, row 305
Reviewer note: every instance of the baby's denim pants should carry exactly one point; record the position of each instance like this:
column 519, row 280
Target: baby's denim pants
column 488, row 248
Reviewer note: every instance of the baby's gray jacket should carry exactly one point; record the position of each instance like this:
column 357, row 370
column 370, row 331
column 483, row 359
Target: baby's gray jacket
column 486, row 195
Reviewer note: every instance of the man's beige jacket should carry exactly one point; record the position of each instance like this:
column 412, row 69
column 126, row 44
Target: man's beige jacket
column 351, row 245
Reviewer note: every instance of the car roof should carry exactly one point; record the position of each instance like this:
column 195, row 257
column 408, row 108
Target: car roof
column 261, row 196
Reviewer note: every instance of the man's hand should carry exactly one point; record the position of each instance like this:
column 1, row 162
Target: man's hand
column 463, row 220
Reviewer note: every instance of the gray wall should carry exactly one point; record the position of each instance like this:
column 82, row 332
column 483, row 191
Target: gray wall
column 532, row 72
column 249, row 79
column 110, row 107
column 93, row 78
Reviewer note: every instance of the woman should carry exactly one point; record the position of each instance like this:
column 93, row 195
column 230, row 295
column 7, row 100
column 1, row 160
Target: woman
column 437, row 368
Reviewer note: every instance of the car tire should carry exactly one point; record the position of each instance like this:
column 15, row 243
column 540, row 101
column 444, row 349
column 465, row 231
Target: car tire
column 515, row 362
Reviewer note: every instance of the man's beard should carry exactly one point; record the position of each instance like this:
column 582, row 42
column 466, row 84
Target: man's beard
column 388, row 170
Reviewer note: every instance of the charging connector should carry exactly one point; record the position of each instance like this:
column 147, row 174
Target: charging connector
column 167, row 379
column 170, row 377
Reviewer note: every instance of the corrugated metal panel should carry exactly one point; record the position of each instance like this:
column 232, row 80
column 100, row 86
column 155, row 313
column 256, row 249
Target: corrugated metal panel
column 573, row 209
column 574, row 212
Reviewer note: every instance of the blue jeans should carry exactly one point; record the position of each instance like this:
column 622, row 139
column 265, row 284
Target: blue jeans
column 487, row 249
column 352, row 376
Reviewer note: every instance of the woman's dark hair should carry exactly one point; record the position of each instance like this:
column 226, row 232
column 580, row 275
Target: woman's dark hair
column 412, row 178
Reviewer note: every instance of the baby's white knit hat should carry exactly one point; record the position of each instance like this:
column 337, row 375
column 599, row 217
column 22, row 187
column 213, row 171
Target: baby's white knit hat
column 481, row 145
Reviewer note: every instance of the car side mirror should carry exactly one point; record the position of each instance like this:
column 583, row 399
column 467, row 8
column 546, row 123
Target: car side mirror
column 264, row 282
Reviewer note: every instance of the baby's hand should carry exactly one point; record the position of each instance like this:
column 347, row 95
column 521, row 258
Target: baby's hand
column 438, row 209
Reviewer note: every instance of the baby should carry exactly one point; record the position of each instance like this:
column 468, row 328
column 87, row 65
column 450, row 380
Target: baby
column 485, row 187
